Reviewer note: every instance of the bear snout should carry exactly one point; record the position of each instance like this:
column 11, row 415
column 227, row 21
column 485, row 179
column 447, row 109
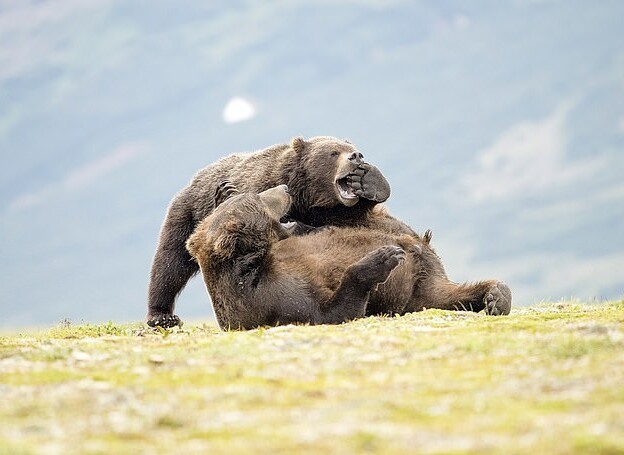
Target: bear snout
column 356, row 157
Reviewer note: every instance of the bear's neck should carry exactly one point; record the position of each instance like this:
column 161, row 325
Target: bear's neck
column 337, row 215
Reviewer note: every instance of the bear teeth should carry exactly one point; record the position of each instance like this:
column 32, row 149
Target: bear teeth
column 345, row 191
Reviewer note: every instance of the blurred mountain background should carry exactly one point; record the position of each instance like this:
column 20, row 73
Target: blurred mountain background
column 499, row 124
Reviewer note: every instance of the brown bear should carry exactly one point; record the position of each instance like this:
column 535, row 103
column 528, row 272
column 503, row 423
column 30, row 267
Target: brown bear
column 329, row 183
column 257, row 274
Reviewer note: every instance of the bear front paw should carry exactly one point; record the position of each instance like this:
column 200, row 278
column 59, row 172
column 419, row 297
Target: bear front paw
column 497, row 300
column 367, row 182
column 164, row 320
column 224, row 191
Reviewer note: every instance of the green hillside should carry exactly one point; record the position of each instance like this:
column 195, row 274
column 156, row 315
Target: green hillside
column 546, row 379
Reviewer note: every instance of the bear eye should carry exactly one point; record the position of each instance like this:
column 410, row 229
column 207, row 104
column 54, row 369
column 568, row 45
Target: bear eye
column 335, row 153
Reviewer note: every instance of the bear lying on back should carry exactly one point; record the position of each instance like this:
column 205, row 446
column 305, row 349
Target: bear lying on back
column 259, row 275
column 330, row 185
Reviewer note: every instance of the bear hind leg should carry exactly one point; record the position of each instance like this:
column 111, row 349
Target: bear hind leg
column 492, row 296
column 350, row 299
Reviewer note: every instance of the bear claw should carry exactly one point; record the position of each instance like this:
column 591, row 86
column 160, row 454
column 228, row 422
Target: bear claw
column 377, row 265
column 498, row 300
column 224, row 191
column 165, row 321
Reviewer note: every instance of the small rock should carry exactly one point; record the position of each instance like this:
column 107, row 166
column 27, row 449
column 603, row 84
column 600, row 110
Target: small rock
column 157, row 359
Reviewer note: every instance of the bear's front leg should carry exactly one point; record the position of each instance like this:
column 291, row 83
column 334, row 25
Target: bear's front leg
column 172, row 266
column 350, row 299
column 368, row 182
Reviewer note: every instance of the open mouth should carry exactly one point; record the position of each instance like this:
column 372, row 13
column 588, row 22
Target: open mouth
column 289, row 225
column 344, row 189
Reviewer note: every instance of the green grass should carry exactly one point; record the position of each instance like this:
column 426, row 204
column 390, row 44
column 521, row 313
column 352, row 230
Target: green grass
column 546, row 379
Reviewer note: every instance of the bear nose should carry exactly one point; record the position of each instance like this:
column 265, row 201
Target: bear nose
column 356, row 156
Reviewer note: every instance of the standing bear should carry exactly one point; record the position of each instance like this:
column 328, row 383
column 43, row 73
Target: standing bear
column 259, row 275
column 329, row 183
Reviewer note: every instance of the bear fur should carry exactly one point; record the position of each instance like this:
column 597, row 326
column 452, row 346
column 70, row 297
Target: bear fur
column 329, row 183
column 257, row 274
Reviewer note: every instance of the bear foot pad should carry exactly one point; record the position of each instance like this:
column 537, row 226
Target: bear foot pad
column 497, row 300
column 367, row 182
column 377, row 265
column 165, row 321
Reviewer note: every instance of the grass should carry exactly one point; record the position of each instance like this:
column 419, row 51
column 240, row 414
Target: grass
column 546, row 379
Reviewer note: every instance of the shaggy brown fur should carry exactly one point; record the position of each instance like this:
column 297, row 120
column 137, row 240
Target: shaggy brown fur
column 329, row 183
column 257, row 275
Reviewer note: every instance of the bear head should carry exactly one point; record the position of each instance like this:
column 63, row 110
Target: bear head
column 243, row 224
column 324, row 166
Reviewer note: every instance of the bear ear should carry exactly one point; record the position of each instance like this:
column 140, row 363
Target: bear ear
column 277, row 201
column 298, row 145
column 224, row 245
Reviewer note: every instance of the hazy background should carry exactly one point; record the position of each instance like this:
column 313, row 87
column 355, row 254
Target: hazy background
column 499, row 124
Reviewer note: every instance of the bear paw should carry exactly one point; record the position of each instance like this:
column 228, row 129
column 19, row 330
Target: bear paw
column 376, row 266
column 224, row 191
column 497, row 300
column 164, row 320
column 367, row 182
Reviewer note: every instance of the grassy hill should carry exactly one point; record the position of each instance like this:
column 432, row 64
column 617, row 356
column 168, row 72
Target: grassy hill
column 546, row 379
